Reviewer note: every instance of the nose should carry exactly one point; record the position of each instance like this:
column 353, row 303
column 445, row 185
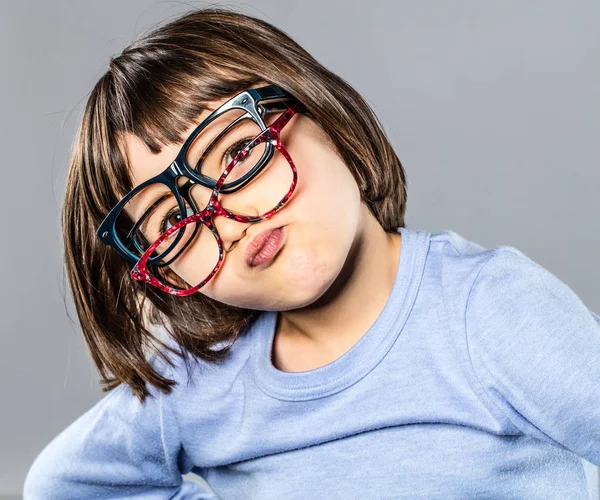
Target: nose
column 230, row 230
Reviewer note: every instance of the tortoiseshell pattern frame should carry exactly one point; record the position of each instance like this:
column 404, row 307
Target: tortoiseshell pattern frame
column 269, row 136
column 256, row 102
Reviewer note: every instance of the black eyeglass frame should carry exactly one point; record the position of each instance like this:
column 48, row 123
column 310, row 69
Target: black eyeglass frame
column 257, row 102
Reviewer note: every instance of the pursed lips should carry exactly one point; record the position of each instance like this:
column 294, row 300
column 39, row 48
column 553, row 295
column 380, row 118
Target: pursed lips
column 255, row 247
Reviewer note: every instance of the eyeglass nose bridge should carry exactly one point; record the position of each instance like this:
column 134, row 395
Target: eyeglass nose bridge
column 185, row 191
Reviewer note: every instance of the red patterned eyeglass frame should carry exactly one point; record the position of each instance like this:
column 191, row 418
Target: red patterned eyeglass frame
column 270, row 135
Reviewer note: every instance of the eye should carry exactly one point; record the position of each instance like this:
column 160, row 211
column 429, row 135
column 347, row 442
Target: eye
column 173, row 217
column 235, row 149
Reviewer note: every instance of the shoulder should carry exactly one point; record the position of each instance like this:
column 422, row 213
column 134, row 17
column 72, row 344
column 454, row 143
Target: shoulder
column 514, row 296
column 499, row 286
column 459, row 261
column 468, row 262
column 478, row 277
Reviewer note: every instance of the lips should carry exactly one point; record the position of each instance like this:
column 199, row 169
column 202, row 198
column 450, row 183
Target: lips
column 263, row 248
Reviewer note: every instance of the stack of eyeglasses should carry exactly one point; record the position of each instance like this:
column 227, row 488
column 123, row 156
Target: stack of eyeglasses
column 233, row 165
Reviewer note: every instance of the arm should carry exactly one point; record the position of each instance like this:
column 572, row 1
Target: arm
column 535, row 348
column 117, row 449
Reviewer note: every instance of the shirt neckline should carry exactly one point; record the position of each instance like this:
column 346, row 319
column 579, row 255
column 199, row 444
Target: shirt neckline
column 363, row 356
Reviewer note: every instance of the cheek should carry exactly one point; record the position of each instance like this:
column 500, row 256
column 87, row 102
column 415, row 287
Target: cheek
column 326, row 191
column 187, row 268
column 198, row 260
column 306, row 267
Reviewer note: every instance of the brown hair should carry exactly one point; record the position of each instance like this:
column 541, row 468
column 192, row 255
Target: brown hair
column 155, row 89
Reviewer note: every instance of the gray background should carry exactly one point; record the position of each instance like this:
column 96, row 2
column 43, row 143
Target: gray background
column 493, row 107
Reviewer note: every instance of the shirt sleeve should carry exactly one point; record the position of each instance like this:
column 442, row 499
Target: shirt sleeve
column 535, row 348
column 120, row 448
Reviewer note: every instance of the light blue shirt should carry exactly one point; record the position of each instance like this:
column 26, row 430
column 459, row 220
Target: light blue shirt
column 479, row 379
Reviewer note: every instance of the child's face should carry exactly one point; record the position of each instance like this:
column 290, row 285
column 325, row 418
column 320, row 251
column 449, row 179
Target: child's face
column 320, row 224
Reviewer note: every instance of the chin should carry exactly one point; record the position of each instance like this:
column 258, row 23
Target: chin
column 305, row 276
column 289, row 301
column 299, row 277
column 299, row 302
column 296, row 281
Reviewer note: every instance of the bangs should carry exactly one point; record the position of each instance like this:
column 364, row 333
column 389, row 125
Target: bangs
column 156, row 102
column 159, row 102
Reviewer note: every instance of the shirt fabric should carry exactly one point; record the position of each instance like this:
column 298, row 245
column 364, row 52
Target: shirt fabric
column 479, row 379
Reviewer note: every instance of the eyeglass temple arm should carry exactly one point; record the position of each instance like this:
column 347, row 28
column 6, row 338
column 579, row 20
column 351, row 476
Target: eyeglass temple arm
column 269, row 92
column 274, row 98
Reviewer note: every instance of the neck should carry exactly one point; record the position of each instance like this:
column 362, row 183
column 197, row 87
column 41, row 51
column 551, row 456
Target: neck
column 340, row 317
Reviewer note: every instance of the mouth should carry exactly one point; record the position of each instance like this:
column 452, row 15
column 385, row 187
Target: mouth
column 264, row 247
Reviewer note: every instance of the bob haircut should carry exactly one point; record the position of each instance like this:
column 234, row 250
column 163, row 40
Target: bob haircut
column 155, row 89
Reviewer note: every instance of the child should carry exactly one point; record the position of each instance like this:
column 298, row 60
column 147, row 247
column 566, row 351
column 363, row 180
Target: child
column 263, row 318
